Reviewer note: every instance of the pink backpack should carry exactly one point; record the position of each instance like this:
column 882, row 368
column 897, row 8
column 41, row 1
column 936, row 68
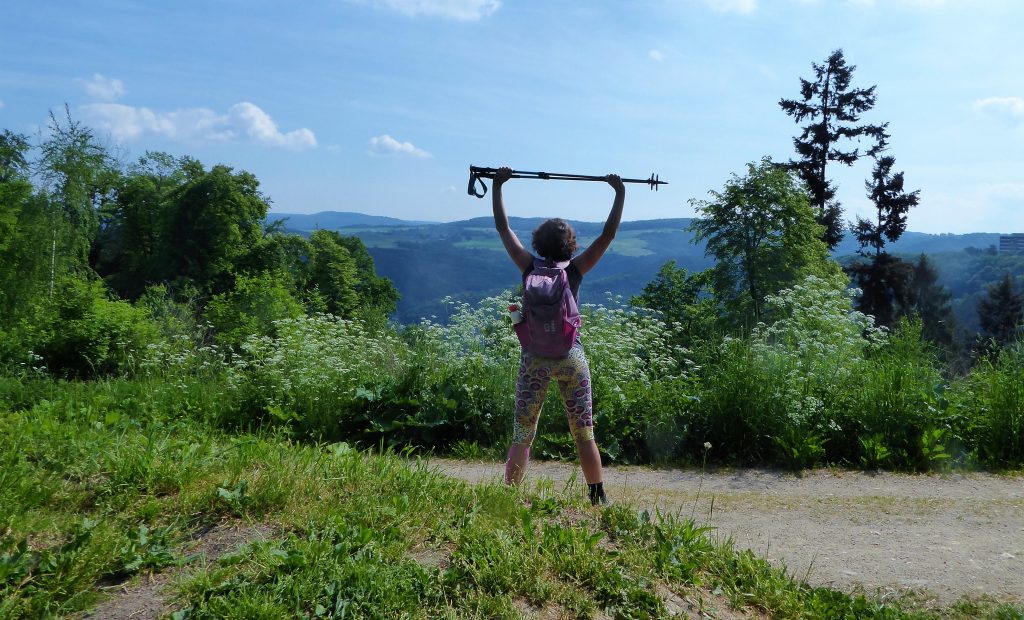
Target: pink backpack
column 551, row 319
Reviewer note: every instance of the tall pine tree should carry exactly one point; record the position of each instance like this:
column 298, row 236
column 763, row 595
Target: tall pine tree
column 885, row 280
column 892, row 202
column 1001, row 313
column 832, row 109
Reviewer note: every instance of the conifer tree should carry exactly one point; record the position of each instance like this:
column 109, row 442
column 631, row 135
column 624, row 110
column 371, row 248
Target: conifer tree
column 832, row 109
column 932, row 304
column 1001, row 312
column 891, row 200
column 885, row 280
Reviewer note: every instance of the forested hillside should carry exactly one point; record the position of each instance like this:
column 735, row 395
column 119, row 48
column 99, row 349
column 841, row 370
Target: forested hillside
column 100, row 259
column 465, row 261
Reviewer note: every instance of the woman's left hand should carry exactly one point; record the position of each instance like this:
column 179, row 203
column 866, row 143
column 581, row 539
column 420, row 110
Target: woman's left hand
column 616, row 182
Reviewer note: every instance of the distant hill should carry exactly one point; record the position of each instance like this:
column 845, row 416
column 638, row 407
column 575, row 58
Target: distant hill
column 335, row 220
column 465, row 260
column 916, row 243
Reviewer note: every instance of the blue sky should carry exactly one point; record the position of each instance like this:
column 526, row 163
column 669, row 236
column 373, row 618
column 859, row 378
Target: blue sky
column 380, row 106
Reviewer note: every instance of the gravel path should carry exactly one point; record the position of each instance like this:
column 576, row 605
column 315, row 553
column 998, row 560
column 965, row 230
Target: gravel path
column 942, row 536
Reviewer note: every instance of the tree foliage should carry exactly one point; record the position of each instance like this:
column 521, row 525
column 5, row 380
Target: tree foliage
column 251, row 308
column 832, row 109
column 191, row 243
column 217, row 220
column 1001, row 312
column 25, row 231
column 932, row 304
column 682, row 299
column 761, row 231
column 885, row 282
column 79, row 176
column 891, row 201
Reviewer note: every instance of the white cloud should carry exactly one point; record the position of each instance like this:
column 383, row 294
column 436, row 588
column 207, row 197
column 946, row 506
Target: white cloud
column 743, row 7
column 103, row 88
column 656, row 55
column 258, row 125
column 913, row 4
column 386, row 145
column 460, row 10
column 1, row 104
column 1005, row 108
column 243, row 121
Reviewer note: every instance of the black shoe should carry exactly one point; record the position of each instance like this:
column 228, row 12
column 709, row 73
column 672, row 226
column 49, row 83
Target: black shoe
column 597, row 495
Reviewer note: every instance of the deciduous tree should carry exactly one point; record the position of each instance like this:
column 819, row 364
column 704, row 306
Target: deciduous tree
column 79, row 175
column 683, row 300
column 24, row 232
column 762, row 233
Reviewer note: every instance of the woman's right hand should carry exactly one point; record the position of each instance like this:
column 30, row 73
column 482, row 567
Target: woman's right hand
column 503, row 174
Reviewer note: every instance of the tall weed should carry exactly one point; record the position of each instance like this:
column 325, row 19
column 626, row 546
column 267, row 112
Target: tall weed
column 991, row 400
column 895, row 409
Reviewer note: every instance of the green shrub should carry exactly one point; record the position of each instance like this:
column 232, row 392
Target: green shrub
column 742, row 403
column 251, row 308
column 991, row 399
column 774, row 396
column 312, row 373
column 893, row 408
column 82, row 333
column 173, row 317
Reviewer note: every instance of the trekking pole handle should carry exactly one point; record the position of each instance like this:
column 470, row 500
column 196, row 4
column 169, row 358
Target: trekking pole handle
column 477, row 175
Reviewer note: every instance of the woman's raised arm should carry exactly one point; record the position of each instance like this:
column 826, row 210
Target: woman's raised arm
column 519, row 255
column 589, row 257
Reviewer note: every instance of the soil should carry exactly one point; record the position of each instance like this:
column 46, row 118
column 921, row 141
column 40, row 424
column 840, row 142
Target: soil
column 145, row 598
column 936, row 537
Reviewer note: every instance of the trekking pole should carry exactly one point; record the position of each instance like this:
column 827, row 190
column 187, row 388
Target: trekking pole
column 477, row 174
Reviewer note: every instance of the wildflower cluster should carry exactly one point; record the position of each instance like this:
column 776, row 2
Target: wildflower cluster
column 817, row 344
column 318, row 356
column 626, row 344
column 183, row 355
column 482, row 331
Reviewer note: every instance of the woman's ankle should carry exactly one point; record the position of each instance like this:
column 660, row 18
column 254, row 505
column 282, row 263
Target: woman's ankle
column 516, row 462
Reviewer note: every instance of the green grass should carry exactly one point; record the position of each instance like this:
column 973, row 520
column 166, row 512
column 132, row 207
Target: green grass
column 97, row 493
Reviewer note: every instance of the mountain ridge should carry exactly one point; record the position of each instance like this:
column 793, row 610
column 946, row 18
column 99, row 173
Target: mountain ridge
column 465, row 261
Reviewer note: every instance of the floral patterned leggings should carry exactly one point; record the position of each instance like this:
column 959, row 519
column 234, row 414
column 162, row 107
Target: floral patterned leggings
column 573, row 376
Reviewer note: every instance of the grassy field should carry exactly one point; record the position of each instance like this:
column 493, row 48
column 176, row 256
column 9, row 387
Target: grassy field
column 97, row 492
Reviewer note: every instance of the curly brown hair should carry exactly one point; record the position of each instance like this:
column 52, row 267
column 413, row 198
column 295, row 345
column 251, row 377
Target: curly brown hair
column 555, row 240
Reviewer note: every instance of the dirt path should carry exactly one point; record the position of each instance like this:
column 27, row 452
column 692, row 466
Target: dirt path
column 944, row 536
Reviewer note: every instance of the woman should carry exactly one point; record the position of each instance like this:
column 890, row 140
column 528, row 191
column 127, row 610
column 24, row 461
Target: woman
column 555, row 242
